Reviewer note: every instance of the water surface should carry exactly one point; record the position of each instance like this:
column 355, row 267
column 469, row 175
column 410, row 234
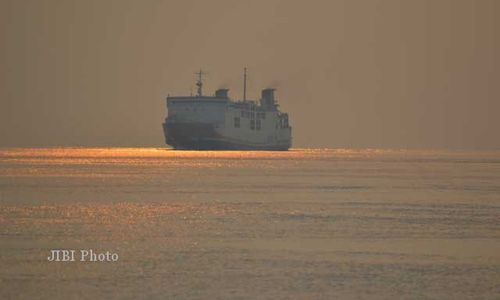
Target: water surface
column 304, row 224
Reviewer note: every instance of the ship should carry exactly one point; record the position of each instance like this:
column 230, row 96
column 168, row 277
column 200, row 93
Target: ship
column 216, row 122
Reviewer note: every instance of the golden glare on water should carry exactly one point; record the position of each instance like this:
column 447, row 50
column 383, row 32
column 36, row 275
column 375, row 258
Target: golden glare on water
column 90, row 162
column 15, row 153
column 121, row 213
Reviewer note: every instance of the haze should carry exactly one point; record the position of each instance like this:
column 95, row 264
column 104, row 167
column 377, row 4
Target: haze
column 351, row 74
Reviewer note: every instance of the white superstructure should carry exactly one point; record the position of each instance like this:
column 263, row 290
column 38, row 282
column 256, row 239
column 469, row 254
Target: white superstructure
column 216, row 122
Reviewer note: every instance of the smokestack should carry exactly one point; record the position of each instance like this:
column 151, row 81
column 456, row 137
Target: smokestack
column 221, row 93
column 267, row 99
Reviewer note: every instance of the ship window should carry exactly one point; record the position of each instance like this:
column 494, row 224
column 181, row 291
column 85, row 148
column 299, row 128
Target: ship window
column 236, row 122
column 252, row 124
column 242, row 113
column 258, row 124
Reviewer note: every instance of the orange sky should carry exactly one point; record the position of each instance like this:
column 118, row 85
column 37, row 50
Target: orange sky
column 373, row 73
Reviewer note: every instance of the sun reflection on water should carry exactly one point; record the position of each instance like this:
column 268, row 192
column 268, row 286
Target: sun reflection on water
column 130, row 153
column 119, row 162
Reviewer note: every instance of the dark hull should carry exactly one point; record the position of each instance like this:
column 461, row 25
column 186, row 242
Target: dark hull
column 201, row 136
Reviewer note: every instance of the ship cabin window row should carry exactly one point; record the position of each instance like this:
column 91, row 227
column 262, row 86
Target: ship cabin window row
column 255, row 124
column 283, row 121
column 253, row 115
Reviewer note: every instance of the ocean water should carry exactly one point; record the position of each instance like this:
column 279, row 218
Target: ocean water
column 302, row 224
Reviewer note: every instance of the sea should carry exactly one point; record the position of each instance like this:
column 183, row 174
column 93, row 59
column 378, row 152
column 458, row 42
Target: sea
column 299, row 224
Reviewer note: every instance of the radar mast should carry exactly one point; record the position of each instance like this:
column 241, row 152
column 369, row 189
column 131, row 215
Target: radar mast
column 245, row 84
column 199, row 82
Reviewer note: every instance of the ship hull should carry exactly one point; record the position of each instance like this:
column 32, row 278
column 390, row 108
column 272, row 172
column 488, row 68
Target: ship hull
column 204, row 136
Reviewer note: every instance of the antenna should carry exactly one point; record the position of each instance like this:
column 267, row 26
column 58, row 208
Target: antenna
column 199, row 82
column 245, row 84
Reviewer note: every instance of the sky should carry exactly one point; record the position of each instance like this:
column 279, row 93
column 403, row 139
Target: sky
column 420, row 74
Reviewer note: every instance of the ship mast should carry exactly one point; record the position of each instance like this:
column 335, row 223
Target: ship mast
column 245, row 84
column 199, row 83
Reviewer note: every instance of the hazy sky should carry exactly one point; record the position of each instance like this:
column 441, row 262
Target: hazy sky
column 362, row 74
